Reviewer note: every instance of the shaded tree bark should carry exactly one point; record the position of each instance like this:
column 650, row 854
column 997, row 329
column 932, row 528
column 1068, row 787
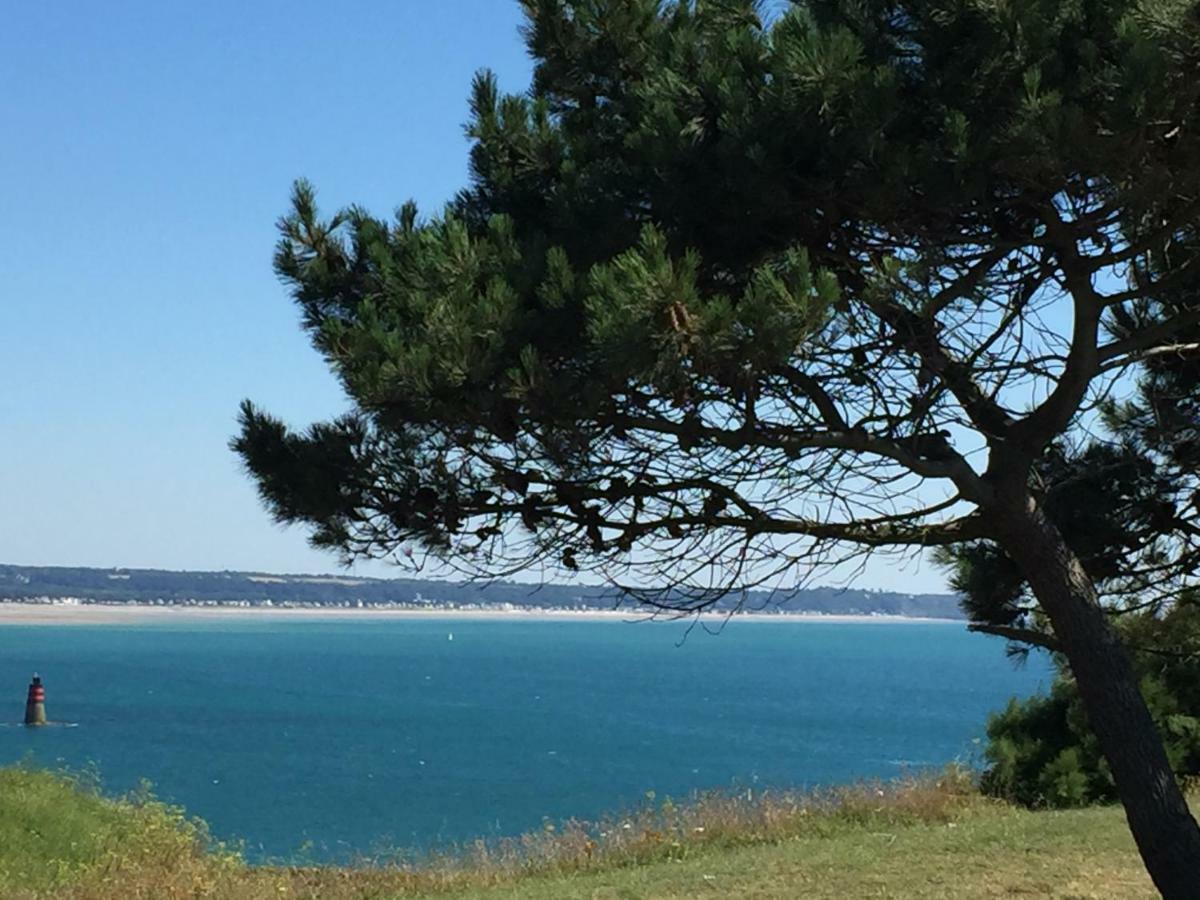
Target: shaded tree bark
column 1163, row 827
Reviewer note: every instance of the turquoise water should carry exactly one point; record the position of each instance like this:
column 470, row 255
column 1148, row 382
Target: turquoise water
column 354, row 735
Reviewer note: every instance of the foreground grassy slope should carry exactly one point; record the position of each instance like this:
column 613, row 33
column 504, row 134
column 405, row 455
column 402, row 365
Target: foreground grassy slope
column 60, row 837
column 921, row 840
column 1002, row 853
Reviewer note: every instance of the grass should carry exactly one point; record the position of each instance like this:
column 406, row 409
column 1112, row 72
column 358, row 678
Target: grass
column 59, row 836
column 923, row 838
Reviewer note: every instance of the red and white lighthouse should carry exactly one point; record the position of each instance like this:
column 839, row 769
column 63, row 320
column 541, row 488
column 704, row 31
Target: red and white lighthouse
column 35, row 703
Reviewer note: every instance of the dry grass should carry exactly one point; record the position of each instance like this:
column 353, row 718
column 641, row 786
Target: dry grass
column 924, row 837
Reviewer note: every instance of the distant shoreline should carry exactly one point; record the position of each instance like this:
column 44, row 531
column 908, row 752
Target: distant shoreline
column 18, row 613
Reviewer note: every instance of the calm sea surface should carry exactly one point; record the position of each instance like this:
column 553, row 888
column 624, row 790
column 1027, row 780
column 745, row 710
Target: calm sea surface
column 359, row 734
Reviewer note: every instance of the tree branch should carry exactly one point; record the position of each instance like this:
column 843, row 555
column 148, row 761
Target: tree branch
column 1019, row 635
column 1031, row 434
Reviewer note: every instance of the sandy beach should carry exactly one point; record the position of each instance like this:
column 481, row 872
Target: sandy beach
column 131, row 614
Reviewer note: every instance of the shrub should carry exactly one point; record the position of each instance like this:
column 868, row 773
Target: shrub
column 1041, row 752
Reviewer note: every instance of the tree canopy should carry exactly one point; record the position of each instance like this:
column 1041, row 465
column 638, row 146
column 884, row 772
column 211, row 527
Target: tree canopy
column 736, row 291
column 689, row 287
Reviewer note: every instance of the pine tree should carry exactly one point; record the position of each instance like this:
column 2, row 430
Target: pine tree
column 737, row 292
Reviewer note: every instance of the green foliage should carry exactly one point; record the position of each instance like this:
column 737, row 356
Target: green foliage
column 1037, row 758
column 57, row 830
column 703, row 273
column 1041, row 751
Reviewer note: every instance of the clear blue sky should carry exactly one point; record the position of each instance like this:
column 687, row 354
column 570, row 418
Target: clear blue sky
column 147, row 149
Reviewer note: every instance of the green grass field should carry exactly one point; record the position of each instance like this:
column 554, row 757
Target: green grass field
column 927, row 838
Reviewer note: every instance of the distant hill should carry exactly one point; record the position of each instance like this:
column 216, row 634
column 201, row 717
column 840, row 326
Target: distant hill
column 48, row 583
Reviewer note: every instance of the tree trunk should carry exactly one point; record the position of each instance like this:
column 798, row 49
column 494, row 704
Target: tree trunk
column 1166, row 834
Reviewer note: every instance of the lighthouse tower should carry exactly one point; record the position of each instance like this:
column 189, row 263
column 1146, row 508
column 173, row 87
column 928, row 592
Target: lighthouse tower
column 35, row 704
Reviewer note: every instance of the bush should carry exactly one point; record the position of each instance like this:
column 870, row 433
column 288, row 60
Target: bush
column 1041, row 752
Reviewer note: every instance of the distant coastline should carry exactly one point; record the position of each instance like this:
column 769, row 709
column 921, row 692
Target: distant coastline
column 235, row 592
column 73, row 613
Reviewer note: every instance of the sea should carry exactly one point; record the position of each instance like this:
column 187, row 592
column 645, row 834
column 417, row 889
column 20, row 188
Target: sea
column 333, row 739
